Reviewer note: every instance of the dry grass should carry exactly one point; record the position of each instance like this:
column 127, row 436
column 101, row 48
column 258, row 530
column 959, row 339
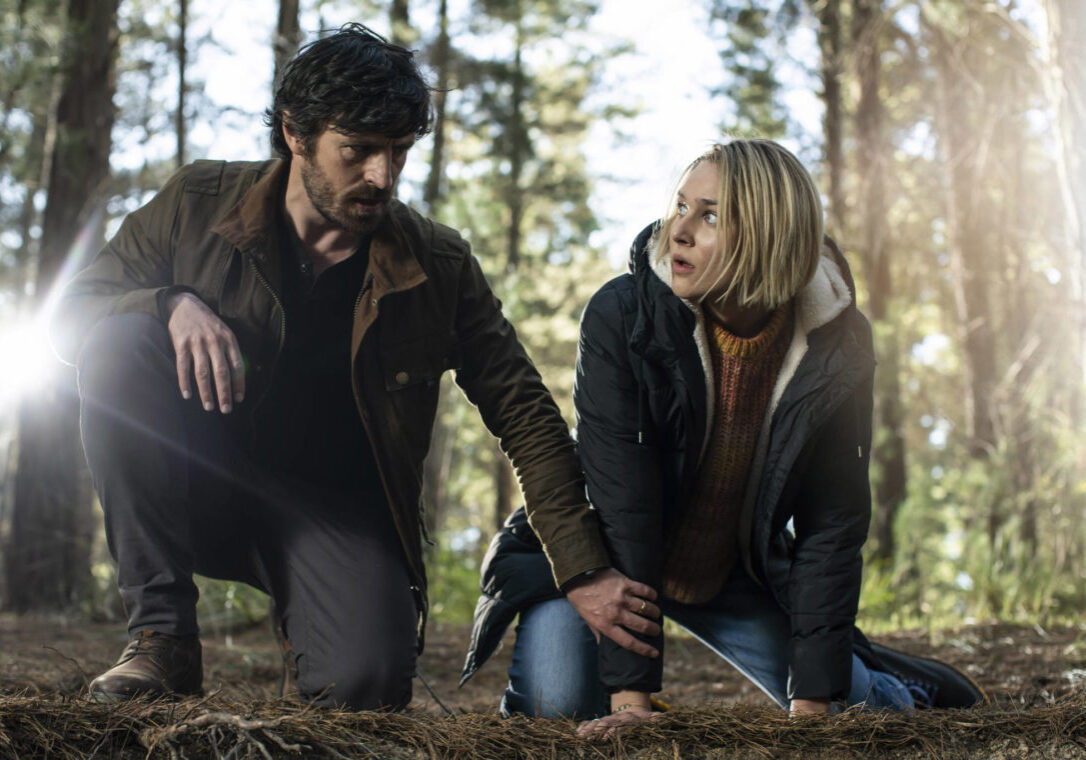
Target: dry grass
column 215, row 727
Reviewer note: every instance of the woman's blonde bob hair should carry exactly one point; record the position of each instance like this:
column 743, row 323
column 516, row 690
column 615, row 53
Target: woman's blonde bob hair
column 769, row 231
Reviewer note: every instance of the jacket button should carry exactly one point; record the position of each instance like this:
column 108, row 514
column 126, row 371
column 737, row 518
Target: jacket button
column 402, row 378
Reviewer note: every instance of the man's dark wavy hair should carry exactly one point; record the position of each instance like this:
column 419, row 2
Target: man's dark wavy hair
column 351, row 81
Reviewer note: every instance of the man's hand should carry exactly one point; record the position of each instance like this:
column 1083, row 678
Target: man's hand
column 810, row 707
column 207, row 349
column 614, row 605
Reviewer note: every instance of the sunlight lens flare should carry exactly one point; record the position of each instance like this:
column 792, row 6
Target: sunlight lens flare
column 26, row 361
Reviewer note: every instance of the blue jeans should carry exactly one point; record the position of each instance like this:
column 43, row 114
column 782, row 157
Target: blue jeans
column 554, row 672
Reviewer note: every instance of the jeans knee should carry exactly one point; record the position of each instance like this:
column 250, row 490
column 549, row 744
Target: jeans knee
column 554, row 670
column 553, row 700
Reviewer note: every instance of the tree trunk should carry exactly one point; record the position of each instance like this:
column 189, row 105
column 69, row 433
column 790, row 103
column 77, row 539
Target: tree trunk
column 518, row 147
column 182, row 68
column 432, row 194
column 1066, row 86
column 439, row 459
column 963, row 133
column 829, row 43
column 288, row 36
column 399, row 21
column 47, row 558
column 1024, row 340
column 888, row 453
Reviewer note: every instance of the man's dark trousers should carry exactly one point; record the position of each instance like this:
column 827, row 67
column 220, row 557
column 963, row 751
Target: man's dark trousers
column 181, row 495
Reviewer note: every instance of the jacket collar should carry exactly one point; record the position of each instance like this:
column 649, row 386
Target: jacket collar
column 250, row 224
column 393, row 260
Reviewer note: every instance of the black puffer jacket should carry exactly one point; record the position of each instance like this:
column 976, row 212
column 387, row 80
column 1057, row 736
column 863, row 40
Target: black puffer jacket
column 643, row 399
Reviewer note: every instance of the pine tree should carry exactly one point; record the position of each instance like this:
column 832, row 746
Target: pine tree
column 47, row 556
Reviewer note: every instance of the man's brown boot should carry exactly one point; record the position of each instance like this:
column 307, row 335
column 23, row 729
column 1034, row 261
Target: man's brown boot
column 153, row 664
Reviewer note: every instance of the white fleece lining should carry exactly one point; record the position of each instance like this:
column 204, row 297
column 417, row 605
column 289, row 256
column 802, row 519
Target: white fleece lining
column 817, row 304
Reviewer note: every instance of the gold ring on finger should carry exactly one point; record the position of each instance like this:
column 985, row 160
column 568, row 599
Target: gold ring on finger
column 641, row 609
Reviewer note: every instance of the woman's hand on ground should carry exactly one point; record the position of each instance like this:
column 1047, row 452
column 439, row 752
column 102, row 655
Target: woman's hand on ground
column 607, row 726
column 613, row 605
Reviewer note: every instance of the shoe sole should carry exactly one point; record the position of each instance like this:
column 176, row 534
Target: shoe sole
column 113, row 697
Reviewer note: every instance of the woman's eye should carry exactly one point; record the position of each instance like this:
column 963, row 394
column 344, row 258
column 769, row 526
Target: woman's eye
column 711, row 218
column 681, row 208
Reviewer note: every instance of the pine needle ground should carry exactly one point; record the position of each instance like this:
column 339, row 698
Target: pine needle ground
column 213, row 727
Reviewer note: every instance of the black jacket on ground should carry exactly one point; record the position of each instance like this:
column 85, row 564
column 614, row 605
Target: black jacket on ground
column 643, row 397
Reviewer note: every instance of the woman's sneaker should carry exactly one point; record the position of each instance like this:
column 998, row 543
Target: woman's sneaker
column 932, row 683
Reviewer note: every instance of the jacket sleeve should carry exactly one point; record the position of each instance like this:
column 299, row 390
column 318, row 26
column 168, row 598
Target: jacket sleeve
column 132, row 273
column 622, row 471
column 499, row 378
column 831, row 521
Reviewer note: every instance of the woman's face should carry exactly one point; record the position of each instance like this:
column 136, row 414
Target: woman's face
column 693, row 245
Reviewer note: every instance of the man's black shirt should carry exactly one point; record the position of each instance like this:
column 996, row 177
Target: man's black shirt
column 307, row 424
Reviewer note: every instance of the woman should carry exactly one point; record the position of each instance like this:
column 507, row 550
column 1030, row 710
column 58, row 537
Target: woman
column 723, row 396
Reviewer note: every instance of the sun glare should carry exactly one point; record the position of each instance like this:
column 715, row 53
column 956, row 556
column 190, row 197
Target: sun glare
column 26, row 361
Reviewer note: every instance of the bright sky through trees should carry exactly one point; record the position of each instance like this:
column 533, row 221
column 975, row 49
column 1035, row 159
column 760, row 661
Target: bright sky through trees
column 668, row 75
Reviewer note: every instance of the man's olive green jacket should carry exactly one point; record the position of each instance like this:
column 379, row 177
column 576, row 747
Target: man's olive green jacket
column 425, row 307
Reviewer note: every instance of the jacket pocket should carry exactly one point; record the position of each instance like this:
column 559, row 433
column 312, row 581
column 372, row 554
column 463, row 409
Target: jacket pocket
column 419, row 361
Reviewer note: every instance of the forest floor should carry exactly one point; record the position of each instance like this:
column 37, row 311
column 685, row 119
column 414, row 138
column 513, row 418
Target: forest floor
column 1036, row 678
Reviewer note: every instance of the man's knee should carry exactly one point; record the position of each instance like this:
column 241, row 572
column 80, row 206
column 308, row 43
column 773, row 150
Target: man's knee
column 118, row 350
column 360, row 683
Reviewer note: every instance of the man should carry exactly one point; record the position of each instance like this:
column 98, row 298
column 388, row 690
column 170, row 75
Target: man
column 259, row 350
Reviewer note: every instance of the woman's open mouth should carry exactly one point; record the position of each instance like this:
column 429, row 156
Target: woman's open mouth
column 679, row 265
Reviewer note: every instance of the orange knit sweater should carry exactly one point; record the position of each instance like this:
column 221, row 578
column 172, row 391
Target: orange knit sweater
column 702, row 547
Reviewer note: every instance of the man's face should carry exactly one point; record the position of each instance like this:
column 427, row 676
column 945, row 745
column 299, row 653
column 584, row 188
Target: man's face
column 349, row 178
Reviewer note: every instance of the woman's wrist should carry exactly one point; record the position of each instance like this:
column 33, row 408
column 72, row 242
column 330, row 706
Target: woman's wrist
column 621, row 701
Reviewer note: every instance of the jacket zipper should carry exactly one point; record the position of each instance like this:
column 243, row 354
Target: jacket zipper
column 275, row 297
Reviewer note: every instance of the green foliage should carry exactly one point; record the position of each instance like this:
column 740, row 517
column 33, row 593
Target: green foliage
column 226, row 606
column 30, row 41
column 754, row 35
column 454, row 581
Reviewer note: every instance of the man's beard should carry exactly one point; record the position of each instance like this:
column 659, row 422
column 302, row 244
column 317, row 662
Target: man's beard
column 343, row 213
